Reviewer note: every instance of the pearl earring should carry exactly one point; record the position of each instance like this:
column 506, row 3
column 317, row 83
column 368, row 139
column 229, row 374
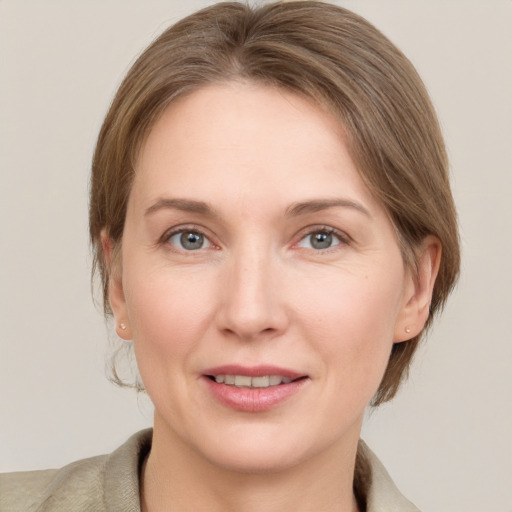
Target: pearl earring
column 123, row 326
column 407, row 330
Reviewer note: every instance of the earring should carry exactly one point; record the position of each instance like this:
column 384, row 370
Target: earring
column 123, row 326
column 407, row 330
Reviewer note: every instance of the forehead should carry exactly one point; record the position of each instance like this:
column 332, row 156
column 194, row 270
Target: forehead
column 246, row 139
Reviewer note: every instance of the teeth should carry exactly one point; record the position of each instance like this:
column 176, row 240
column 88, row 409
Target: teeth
column 274, row 380
column 244, row 381
column 261, row 382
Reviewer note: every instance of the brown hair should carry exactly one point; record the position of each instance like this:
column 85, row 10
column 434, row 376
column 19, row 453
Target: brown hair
column 320, row 51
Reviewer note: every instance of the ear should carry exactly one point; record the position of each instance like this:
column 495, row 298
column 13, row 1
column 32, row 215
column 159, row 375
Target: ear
column 116, row 293
column 418, row 289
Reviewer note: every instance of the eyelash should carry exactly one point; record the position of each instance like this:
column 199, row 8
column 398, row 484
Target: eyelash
column 342, row 237
column 168, row 235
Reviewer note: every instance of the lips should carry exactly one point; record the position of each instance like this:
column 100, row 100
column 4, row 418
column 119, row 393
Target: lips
column 253, row 389
column 247, row 381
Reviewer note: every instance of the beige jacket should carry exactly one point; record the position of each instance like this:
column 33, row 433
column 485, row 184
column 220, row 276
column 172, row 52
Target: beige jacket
column 110, row 483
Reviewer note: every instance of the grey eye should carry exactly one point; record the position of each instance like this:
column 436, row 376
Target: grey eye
column 320, row 240
column 189, row 240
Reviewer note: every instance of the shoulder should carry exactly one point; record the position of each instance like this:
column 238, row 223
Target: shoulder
column 99, row 483
column 39, row 490
column 382, row 495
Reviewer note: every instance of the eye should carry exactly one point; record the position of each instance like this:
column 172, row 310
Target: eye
column 320, row 240
column 189, row 240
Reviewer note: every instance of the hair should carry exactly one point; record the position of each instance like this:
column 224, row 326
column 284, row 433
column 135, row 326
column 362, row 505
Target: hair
column 327, row 54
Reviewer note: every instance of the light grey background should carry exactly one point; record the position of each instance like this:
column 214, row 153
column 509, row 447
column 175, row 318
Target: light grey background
column 446, row 439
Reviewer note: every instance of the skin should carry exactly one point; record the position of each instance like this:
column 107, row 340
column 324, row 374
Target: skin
column 258, row 292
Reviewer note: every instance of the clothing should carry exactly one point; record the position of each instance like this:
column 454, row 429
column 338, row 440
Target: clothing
column 110, row 483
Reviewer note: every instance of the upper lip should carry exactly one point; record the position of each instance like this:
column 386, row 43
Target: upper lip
column 253, row 371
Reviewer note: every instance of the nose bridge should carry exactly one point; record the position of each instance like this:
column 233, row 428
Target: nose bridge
column 252, row 303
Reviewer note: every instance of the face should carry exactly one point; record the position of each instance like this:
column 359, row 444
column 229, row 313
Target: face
column 261, row 282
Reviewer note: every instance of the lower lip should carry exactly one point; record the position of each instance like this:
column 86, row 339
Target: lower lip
column 253, row 399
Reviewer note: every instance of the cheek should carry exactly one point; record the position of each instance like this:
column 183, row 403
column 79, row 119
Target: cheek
column 168, row 312
column 351, row 320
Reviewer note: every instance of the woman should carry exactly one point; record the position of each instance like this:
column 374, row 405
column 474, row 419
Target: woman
column 273, row 225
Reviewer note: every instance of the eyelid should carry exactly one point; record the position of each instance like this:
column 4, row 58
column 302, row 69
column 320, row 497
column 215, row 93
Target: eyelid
column 309, row 230
column 306, row 231
column 183, row 228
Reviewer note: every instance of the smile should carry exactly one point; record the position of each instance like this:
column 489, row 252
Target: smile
column 246, row 381
column 253, row 388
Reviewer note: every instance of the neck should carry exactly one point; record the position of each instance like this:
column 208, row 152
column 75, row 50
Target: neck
column 175, row 477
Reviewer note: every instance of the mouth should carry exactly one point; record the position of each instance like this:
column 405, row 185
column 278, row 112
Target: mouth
column 246, row 381
column 253, row 389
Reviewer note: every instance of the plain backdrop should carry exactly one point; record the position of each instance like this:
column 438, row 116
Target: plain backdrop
column 446, row 439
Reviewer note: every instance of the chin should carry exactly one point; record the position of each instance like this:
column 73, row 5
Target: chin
column 264, row 449
column 256, row 459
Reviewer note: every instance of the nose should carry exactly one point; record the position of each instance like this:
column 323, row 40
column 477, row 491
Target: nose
column 252, row 304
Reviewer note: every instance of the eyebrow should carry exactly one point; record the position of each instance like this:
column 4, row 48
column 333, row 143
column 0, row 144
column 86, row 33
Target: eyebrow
column 317, row 205
column 185, row 205
column 294, row 210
